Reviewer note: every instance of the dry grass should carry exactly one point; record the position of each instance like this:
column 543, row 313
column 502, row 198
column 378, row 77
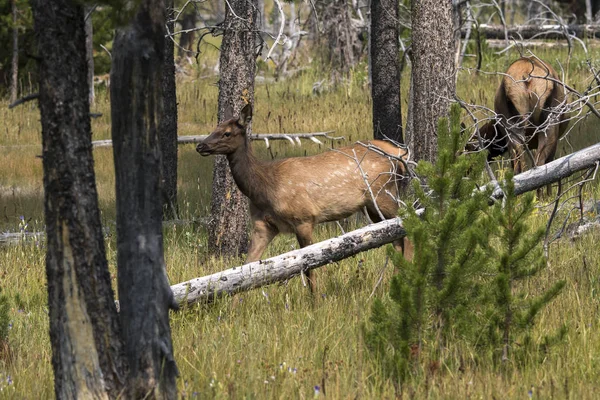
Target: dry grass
column 278, row 342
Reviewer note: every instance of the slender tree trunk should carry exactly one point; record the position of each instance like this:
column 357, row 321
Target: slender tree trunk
column 227, row 234
column 385, row 88
column 168, row 127
column 144, row 292
column 186, row 39
column 89, row 52
column 432, row 74
column 14, row 81
column 84, row 328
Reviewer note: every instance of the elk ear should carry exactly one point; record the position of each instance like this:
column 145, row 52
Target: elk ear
column 245, row 115
column 228, row 113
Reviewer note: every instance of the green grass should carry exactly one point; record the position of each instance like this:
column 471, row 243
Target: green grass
column 277, row 342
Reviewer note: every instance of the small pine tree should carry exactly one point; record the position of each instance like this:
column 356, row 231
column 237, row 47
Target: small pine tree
column 437, row 286
column 519, row 257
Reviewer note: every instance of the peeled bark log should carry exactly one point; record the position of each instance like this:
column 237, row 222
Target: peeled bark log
column 537, row 31
column 285, row 266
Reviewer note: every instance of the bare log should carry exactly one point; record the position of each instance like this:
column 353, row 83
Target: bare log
column 553, row 31
column 287, row 265
column 294, row 138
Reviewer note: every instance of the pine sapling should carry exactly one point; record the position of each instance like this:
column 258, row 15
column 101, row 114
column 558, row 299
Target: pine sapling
column 519, row 258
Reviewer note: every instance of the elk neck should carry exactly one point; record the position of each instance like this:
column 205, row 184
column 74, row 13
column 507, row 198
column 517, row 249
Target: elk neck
column 253, row 177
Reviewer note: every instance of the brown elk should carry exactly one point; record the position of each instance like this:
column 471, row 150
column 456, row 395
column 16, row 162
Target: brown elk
column 529, row 93
column 292, row 195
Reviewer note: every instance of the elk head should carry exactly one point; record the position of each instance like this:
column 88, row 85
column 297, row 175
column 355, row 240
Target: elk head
column 229, row 135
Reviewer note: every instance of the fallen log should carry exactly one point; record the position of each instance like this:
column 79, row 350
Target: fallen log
column 294, row 138
column 287, row 265
column 553, row 31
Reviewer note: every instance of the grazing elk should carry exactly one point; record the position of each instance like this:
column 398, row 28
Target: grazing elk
column 528, row 94
column 293, row 195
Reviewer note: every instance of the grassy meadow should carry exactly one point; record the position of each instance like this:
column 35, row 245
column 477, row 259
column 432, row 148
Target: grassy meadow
column 276, row 342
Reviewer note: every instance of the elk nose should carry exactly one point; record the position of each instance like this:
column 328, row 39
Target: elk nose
column 201, row 147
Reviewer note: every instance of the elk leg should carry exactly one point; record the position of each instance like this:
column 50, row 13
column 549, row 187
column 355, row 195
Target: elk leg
column 304, row 236
column 546, row 150
column 403, row 245
column 261, row 237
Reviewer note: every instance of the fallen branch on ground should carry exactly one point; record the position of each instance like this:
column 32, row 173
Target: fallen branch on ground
column 294, row 138
column 549, row 31
column 290, row 264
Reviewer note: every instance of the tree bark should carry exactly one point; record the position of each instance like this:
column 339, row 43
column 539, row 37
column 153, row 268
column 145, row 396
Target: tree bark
column 285, row 266
column 89, row 52
column 385, row 88
column 14, row 80
column 186, row 39
column 144, row 292
column 433, row 72
column 168, row 126
column 84, row 328
column 227, row 233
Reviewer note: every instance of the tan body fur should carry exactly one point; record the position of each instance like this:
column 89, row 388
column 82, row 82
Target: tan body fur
column 294, row 194
column 523, row 104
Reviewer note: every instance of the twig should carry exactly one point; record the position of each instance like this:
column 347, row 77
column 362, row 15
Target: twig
column 281, row 13
column 25, row 99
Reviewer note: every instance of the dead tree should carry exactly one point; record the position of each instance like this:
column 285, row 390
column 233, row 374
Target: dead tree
column 84, row 329
column 433, row 73
column 385, row 70
column 168, row 125
column 144, row 292
column 14, row 79
column 227, row 229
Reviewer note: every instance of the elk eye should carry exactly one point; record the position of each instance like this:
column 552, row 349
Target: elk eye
column 227, row 134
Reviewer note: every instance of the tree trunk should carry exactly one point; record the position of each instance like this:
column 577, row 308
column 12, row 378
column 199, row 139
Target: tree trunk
column 227, row 234
column 14, row 81
column 89, row 52
column 343, row 46
column 285, row 266
column 144, row 292
column 385, row 88
column 84, row 328
column 168, row 127
column 186, row 39
column 433, row 72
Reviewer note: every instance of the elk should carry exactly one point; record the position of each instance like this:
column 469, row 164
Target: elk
column 292, row 195
column 530, row 92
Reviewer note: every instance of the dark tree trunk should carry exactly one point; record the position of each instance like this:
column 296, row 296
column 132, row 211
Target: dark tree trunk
column 186, row 39
column 89, row 53
column 144, row 292
column 14, row 80
column 433, row 73
column 227, row 234
column 343, row 47
column 168, row 127
column 84, row 328
column 385, row 70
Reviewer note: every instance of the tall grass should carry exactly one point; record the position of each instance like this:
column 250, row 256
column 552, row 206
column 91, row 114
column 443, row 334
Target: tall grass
column 278, row 342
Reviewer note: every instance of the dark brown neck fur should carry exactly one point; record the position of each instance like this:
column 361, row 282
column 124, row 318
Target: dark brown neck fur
column 253, row 177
